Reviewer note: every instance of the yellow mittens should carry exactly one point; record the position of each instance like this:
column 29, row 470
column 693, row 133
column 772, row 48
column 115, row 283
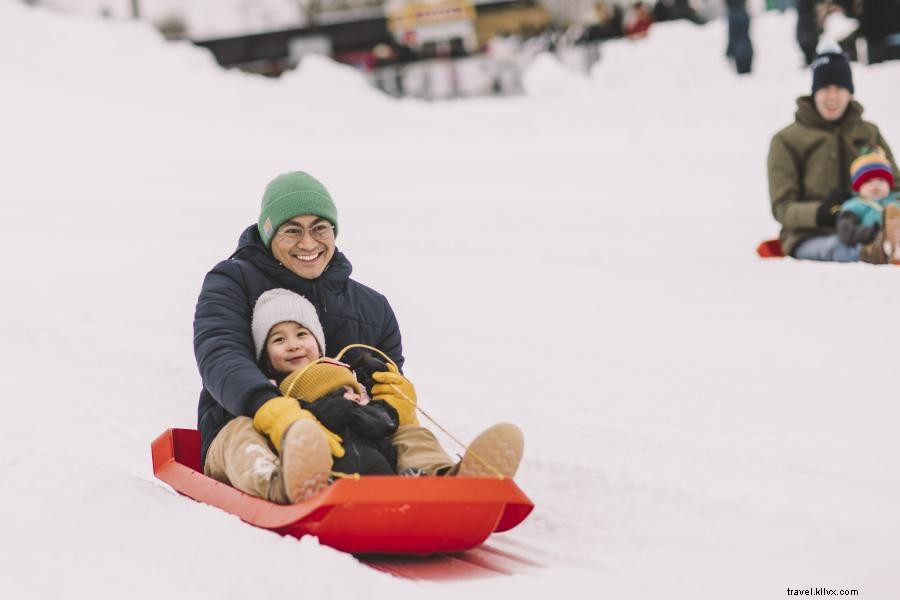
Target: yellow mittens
column 275, row 416
column 334, row 440
column 398, row 391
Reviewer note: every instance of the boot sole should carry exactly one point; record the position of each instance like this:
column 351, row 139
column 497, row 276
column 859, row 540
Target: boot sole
column 305, row 461
column 892, row 233
column 497, row 451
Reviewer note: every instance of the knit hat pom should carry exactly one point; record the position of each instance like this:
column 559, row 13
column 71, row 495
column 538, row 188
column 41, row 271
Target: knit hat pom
column 319, row 379
column 278, row 306
column 870, row 166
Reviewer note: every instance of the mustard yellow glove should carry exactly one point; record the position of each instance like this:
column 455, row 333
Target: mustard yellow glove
column 275, row 416
column 334, row 440
column 398, row 391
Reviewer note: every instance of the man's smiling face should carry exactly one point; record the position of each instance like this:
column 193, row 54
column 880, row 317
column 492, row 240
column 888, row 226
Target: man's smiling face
column 308, row 256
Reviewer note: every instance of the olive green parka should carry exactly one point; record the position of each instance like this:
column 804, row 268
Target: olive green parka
column 808, row 160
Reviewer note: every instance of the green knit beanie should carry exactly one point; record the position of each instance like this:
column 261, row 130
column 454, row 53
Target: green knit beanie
column 290, row 195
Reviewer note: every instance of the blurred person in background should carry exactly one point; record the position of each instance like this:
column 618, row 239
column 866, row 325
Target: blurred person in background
column 637, row 21
column 608, row 24
column 779, row 5
column 671, row 10
column 740, row 48
column 808, row 28
column 809, row 162
column 879, row 24
column 503, row 53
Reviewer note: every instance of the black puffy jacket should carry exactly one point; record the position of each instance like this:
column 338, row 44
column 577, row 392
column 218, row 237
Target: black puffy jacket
column 233, row 384
column 365, row 432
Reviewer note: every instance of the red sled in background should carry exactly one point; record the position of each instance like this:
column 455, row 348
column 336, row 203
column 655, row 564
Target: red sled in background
column 368, row 515
column 770, row 249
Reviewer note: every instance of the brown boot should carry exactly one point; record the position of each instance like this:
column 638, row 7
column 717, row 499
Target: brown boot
column 496, row 452
column 873, row 252
column 305, row 460
column 892, row 233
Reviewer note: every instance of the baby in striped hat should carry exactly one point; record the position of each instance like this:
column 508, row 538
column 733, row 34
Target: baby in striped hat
column 872, row 216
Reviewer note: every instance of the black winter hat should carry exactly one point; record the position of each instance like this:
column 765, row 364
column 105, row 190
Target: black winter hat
column 831, row 68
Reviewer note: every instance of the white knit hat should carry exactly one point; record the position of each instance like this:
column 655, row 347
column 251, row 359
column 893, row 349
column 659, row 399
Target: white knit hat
column 279, row 305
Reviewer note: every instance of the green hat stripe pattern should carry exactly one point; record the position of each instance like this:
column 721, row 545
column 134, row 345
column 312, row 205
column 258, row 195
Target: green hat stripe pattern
column 291, row 195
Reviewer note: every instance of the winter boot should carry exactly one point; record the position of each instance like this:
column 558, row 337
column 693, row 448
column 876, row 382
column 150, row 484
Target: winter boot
column 874, row 252
column 496, row 452
column 305, row 460
column 892, row 233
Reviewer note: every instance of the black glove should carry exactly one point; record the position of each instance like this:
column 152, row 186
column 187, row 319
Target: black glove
column 851, row 232
column 375, row 420
column 332, row 410
column 363, row 366
column 826, row 214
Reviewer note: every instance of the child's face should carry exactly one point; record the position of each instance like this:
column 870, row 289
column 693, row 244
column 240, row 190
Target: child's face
column 875, row 188
column 290, row 347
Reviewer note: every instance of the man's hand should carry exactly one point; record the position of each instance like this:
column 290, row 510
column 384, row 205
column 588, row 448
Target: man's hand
column 398, row 391
column 826, row 215
column 275, row 416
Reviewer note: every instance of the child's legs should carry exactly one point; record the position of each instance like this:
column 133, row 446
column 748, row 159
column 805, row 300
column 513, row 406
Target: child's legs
column 826, row 247
column 241, row 457
column 418, row 449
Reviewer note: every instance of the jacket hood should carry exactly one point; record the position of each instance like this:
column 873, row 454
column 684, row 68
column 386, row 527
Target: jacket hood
column 251, row 248
column 808, row 115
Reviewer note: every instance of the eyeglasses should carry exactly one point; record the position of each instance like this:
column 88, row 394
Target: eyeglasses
column 291, row 234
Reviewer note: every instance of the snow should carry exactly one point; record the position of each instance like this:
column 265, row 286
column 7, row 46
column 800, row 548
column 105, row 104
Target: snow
column 203, row 18
column 699, row 423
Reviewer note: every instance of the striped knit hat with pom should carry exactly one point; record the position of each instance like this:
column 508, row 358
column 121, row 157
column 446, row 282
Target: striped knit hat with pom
column 869, row 166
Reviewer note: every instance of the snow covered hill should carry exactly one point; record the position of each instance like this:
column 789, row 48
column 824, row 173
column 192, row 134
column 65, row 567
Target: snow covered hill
column 699, row 423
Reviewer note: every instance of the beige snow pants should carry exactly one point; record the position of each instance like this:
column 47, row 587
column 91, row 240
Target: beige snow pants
column 418, row 449
column 242, row 457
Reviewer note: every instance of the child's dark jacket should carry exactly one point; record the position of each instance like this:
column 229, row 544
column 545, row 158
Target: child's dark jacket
column 366, row 431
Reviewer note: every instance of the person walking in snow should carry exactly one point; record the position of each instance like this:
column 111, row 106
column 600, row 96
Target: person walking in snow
column 879, row 24
column 808, row 28
column 740, row 48
column 293, row 246
column 809, row 162
column 871, row 218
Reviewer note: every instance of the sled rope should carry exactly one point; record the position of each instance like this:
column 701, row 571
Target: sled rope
column 421, row 410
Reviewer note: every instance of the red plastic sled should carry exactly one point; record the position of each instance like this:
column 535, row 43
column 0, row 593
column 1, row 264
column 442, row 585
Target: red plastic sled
column 378, row 515
column 770, row 249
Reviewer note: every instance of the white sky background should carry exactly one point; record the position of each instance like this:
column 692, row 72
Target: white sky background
column 699, row 423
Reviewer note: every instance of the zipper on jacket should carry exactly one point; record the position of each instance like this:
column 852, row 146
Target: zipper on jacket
column 842, row 160
column 319, row 298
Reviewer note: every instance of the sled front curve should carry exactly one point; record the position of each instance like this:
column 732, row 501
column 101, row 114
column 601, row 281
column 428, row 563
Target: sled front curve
column 377, row 514
column 770, row 249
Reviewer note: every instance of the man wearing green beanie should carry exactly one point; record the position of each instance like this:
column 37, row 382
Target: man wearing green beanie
column 293, row 246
